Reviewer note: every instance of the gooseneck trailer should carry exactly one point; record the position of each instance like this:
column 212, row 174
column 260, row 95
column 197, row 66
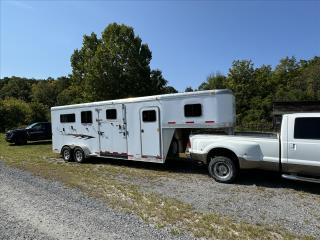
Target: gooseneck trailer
column 142, row 129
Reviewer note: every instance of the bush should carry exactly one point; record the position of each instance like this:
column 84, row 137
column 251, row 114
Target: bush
column 39, row 112
column 14, row 113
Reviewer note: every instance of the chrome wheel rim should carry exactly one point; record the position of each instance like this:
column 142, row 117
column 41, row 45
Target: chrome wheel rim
column 222, row 170
column 79, row 156
column 66, row 154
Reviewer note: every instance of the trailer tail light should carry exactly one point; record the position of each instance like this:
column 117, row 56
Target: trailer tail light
column 173, row 122
column 189, row 122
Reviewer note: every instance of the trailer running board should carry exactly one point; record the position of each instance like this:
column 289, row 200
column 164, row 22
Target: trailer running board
column 299, row 178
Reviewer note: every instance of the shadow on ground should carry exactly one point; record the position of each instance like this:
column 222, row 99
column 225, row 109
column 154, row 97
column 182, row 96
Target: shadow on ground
column 258, row 178
column 45, row 142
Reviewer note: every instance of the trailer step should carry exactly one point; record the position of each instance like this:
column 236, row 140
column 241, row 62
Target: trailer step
column 299, row 178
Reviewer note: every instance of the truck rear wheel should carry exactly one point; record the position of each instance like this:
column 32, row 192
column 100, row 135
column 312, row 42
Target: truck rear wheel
column 223, row 169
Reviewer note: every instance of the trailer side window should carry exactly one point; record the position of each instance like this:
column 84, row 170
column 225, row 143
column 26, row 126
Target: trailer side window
column 67, row 118
column 149, row 116
column 192, row 110
column 307, row 128
column 111, row 114
column 86, row 117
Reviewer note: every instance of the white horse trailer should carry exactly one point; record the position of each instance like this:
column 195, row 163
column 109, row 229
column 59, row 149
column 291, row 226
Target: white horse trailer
column 143, row 129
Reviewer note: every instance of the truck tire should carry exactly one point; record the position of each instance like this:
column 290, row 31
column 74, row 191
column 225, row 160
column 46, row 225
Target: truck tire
column 79, row 155
column 66, row 153
column 223, row 169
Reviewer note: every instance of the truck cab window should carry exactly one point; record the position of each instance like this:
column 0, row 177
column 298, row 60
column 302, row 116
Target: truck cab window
column 86, row 117
column 149, row 116
column 111, row 114
column 307, row 128
column 67, row 118
column 193, row 110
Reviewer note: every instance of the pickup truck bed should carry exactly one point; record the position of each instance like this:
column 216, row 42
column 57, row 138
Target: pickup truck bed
column 252, row 151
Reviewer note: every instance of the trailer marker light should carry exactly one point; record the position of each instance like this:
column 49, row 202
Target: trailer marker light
column 209, row 121
column 190, row 122
column 171, row 122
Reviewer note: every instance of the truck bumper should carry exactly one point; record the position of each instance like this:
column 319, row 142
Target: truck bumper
column 9, row 140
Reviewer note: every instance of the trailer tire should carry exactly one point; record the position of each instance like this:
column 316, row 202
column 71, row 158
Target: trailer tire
column 79, row 155
column 223, row 169
column 67, row 154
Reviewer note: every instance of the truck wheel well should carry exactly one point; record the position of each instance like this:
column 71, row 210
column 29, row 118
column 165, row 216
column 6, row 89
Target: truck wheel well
column 223, row 152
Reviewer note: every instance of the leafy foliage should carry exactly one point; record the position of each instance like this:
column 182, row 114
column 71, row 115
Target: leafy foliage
column 256, row 89
column 14, row 113
column 114, row 66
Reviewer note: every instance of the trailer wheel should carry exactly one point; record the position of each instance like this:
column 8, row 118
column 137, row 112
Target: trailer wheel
column 223, row 169
column 66, row 153
column 79, row 156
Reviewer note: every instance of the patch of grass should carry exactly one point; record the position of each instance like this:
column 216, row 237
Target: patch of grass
column 102, row 181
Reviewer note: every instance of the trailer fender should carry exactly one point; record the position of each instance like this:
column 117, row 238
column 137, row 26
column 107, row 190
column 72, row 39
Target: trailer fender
column 85, row 149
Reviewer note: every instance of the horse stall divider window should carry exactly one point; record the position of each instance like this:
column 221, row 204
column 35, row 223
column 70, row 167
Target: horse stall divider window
column 86, row 117
column 67, row 118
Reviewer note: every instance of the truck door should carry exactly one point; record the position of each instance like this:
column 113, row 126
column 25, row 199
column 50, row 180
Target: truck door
column 113, row 131
column 150, row 132
column 37, row 132
column 303, row 145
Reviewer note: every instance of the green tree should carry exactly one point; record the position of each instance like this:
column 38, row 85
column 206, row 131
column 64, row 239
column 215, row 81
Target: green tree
column 189, row 89
column 16, row 87
column 169, row 89
column 214, row 81
column 14, row 113
column 241, row 80
column 39, row 112
column 114, row 66
column 45, row 92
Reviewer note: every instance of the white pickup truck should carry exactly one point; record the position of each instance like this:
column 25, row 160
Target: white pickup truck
column 295, row 153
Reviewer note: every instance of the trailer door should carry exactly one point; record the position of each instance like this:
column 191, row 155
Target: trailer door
column 150, row 132
column 113, row 131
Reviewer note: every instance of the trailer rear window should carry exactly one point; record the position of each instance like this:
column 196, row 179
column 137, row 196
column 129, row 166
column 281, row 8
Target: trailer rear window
column 149, row 116
column 67, row 118
column 307, row 128
column 192, row 110
column 111, row 114
column 86, row 117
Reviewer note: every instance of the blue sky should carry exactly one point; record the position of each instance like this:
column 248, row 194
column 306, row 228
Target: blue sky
column 188, row 39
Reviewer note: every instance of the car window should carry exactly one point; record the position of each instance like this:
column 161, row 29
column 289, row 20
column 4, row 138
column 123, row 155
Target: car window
column 307, row 128
column 31, row 125
column 37, row 126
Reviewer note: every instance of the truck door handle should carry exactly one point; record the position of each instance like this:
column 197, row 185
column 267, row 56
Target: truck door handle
column 293, row 146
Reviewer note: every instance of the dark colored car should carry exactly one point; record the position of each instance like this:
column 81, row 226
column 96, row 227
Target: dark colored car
column 34, row 132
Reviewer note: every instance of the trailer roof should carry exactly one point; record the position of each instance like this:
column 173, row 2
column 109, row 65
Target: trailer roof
column 147, row 98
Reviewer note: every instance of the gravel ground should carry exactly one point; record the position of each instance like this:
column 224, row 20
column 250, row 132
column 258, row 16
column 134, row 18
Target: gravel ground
column 35, row 208
column 257, row 197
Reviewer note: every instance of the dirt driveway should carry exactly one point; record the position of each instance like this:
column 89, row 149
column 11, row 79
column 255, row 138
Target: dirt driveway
column 257, row 197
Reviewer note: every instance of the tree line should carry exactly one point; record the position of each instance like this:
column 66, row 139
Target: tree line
column 256, row 88
column 117, row 65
